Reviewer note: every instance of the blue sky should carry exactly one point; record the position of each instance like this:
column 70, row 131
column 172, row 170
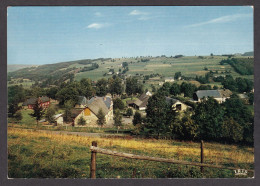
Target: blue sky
column 42, row 35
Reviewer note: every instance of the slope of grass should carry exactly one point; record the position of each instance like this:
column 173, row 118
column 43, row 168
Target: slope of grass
column 33, row 154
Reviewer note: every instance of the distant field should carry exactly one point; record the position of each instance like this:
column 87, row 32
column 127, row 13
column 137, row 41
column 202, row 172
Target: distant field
column 188, row 66
column 11, row 68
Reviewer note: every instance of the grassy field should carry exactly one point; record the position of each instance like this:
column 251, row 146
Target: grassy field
column 33, row 154
column 188, row 66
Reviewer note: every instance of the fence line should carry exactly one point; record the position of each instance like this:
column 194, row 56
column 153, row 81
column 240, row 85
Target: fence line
column 94, row 149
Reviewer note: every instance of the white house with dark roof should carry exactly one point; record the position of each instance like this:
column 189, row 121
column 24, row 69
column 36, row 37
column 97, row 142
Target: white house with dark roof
column 169, row 79
column 219, row 95
column 90, row 111
column 177, row 105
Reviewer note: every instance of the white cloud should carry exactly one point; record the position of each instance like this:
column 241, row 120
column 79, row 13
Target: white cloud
column 137, row 12
column 98, row 14
column 98, row 25
column 223, row 19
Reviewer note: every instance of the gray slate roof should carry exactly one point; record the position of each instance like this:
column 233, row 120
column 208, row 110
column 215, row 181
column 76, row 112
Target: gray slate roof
column 82, row 100
column 208, row 93
column 97, row 104
column 213, row 93
column 107, row 100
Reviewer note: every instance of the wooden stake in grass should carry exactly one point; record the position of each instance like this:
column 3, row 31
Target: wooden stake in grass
column 93, row 161
column 201, row 155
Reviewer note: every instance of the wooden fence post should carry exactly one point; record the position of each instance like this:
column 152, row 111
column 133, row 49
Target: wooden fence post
column 93, row 162
column 201, row 155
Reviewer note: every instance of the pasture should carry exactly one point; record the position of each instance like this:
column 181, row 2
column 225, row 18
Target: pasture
column 34, row 154
column 188, row 66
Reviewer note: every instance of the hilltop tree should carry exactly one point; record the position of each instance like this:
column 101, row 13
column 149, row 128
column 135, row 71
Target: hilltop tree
column 101, row 118
column 38, row 111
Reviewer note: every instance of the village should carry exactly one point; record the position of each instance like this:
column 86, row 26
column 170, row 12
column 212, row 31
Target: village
column 130, row 92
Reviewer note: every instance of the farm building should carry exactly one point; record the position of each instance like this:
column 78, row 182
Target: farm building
column 141, row 102
column 177, row 105
column 219, row 95
column 244, row 98
column 58, row 119
column 89, row 113
column 44, row 102
column 169, row 79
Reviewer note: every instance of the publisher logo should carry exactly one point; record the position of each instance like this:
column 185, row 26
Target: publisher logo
column 240, row 172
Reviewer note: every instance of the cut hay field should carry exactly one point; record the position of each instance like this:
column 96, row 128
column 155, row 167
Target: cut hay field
column 35, row 154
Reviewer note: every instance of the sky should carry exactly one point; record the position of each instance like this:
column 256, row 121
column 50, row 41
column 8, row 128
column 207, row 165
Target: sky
column 43, row 35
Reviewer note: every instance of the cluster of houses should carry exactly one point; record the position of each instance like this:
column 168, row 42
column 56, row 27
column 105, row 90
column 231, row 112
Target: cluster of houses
column 88, row 109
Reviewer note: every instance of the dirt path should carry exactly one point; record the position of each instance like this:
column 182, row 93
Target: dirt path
column 81, row 133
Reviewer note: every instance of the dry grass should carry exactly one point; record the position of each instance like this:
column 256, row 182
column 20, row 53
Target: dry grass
column 214, row 153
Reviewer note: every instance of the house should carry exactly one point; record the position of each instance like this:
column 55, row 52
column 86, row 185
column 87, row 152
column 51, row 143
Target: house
column 244, row 98
column 82, row 102
column 169, row 79
column 219, row 95
column 44, row 102
column 141, row 102
column 58, row 119
column 90, row 112
column 177, row 105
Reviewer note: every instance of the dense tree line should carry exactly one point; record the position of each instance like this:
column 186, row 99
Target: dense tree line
column 242, row 66
column 230, row 122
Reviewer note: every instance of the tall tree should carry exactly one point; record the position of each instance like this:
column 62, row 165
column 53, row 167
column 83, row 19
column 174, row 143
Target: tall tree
column 188, row 89
column 102, row 87
column 18, row 116
column 137, row 118
column 115, row 86
column 117, row 119
column 101, row 118
column 129, row 112
column 177, row 75
column 67, row 111
column 50, row 115
column 209, row 117
column 159, row 116
column 38, row 111
column 118, row 104
column 175, row 89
